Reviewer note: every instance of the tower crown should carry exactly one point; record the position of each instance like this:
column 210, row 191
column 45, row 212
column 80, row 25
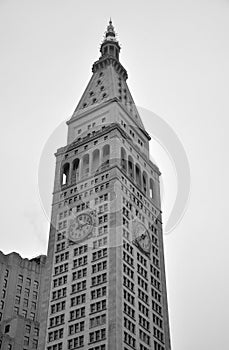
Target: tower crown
column 110, row 45
column 108, row 86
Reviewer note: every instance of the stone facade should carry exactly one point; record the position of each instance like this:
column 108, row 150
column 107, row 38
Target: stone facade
column 103, row 285
column 107, row 278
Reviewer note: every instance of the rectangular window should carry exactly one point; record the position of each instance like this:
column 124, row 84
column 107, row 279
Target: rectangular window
column 77, row 313
column 80, row 261
column 27, row 328
column 32, row 316
column 35, row 284
column 97, row 335
column 80, row 250
column 61, row 269
column 25, row 303
column 33, row 306
column 7, row 328
column 99, row 292
column 98, row 306
column 79, row 274
column 26, row 292
column 128, row 339
column 26, row 341
column 76, row 328
column 34, row 343
column 99, row 254
column 5, row 283
column 99, row 266
column 99, row 279
column 79, row 299
column 129, row 325
column 77, row 287
column 28, row 282
column 97, row 321
column 58, row 307
column 59, row 293
column 76, row 342
column 17, row 300
column 56, row 321
column 58, row 346
column 36, row 332
column 55, row 335
column 20, row 279
column 16, row 310
column 24, row 313
column 129, row 311
column 19, row 289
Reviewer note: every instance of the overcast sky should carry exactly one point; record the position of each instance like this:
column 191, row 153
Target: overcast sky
column 176, row 54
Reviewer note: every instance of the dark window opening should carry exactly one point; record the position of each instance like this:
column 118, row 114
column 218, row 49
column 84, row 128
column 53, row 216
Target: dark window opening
column 75, row 170
column 7, row 328
column 65, row 174
column 138, row 175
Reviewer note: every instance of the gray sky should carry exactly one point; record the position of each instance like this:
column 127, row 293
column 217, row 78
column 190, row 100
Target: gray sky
column 176, row 54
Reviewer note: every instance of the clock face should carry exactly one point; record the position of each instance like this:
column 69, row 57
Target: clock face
column 141, row 237
column 80, row 227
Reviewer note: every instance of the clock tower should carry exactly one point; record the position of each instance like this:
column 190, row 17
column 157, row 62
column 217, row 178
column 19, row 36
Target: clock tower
column 105, row 283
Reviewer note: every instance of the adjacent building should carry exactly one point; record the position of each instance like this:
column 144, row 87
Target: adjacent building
column 20, row 297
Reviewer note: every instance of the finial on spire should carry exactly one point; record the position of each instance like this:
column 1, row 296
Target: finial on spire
column 110, row 32
column 110, row 45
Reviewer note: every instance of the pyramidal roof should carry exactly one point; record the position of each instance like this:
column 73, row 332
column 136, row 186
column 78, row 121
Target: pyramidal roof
column 108, row 81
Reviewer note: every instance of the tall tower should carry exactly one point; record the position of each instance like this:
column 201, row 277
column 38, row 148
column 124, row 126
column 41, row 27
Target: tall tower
column 105, row 286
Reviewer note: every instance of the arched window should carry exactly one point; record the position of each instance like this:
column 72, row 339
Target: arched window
column 85, row 165
column 123, row 159
column 111, row 49
column 106, row 155
column 151, row 188
column 75, row 170
column 95, row 160
column 138, row 175
column 116, row 53
column 145, row 182
column 65, row 174
column 130, row 167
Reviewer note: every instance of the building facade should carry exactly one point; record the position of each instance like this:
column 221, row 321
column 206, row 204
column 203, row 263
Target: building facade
column 20, row 286
column 104, row 285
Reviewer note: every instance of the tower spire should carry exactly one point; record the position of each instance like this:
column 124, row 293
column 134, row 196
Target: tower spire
column 110, row 32
column 110, row 45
